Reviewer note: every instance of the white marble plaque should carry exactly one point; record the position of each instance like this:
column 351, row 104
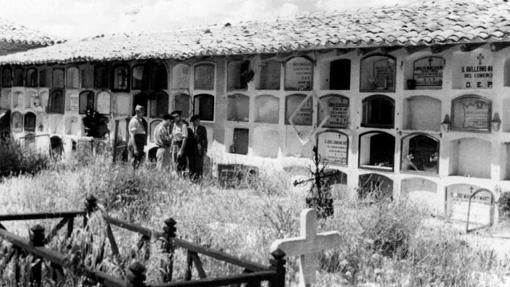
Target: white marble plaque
column 103, row 103
column 333, row 147
column 298, row 74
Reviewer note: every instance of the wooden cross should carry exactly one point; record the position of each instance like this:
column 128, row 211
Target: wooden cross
column 307, row 246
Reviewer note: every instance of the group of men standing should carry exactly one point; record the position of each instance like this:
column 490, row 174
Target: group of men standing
column 179, row 145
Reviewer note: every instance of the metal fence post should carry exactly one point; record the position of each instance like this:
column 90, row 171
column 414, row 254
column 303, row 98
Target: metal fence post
column 168, row 246
column 136, row 275
column 278, row 265
column 37, row 240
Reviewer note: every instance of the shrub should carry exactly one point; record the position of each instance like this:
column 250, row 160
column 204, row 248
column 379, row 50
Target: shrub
column 16, row 160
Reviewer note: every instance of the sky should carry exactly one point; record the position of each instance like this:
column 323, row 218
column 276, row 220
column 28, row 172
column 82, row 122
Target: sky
column 72, row 19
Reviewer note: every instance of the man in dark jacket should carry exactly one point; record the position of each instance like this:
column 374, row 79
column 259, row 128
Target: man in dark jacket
column 200, row 135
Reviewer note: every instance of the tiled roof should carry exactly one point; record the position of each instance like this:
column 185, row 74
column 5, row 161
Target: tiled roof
column 21, row 35
column 420, row 23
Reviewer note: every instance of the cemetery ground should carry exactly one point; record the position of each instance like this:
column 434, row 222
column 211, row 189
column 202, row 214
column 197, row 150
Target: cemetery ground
column 383, row 244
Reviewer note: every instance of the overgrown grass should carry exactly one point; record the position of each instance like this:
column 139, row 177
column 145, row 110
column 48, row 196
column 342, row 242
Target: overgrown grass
column 383, row 243
column 16, row 159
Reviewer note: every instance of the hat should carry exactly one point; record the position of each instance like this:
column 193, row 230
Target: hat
column 176, row 112
column 194, row 118
column 167, row 117
column 138, row 108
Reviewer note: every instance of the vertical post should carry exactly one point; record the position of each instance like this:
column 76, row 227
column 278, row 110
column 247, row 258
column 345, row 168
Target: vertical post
column 278, row 265
column 168, row 246
column 37, row 240
column 17, row 267
column 90, row 206
column 188, row 274
column 70, row 227
column 115, row 139
column 136, row 275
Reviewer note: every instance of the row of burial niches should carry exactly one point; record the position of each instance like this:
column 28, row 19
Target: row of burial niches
column 470, row 70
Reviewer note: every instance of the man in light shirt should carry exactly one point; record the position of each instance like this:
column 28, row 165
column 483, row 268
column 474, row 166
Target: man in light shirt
column 163, row 140
column 137, row 136
column 179, row 139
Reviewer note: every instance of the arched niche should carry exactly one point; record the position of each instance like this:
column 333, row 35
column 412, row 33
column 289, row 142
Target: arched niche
column 298, row 74
column 159, row 104
column 43, row 77
column 19, row 77
column 377, row 73
column 267, row 109
column 32, row 99
column 266, row 141
column 152, row 128
column 422, row 192
column 238, row 75
column 181, row 75
column 378, row 111
column 72, row 125
column 159, row 79
column 269, row 75
column 422, row 113
column 336, row 75
column 86, row 76
column 56, row 147
column 17, row 122
column 238, row 108
column 203, row 106
column 374, row 186
column 182, row 102
column 337, row 108
column 427, row 73
column 73, row 78
column 137, row 74
column 29, row 122
column 140, row 99
column 471, row 113
column 86, row 101
column 103, row 102
column 120, row 76
column 376, row 150
column 56, row 103
column 420, row 153
column 6, row 77
column 300, row 111
column 470, row 157
column 333, row 147
column 204, row 76
column 150, row 76
column 57, row 78
column 18, row 98
column 31, row 78
column 101, row 76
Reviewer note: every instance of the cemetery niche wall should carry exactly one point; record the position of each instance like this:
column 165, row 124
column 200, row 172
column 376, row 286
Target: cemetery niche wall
column 471, row 113
column 333, row 147
column 377, row 73
column 473, row 70
column 337, row 108
column 420, row 153
column 376, row 150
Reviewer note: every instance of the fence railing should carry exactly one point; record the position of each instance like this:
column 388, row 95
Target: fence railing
column 61, row 264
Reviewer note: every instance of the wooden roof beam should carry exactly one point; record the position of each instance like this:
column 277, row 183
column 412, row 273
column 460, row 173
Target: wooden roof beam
column 470, row 47
column 415, row 49
column 436, row 49
column 496, row 46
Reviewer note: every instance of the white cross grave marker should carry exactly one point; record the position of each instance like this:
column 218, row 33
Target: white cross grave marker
column 307, row 246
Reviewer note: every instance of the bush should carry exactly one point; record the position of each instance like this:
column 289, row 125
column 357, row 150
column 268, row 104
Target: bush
column 16, row 160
